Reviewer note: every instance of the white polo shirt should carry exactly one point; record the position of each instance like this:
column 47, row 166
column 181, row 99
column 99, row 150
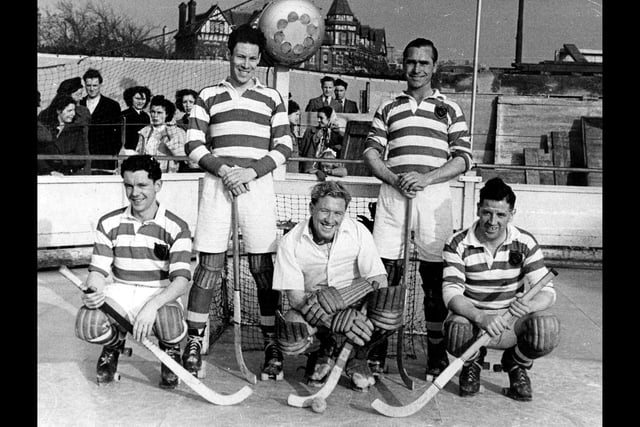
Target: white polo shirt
column 301, row 264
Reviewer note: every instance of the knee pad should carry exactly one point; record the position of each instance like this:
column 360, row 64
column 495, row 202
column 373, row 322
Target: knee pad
column 208, row 269
column 459, row 335
column 540, row 335
column 394, row 268
column 94, row 326
column 293, row 334
column 170, row 326
column 261, row 268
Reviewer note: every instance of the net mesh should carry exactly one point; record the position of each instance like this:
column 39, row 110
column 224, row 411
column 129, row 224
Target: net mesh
column 291, row 209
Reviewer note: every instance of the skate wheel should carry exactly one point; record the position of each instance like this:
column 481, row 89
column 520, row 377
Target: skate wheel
column 486, row 365
column 127, row 351
column 497, row 367
column 202, row 372
column 116, row 377
column 430, row 378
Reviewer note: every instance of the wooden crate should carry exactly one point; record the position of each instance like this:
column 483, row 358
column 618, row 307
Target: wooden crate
column 592, row 146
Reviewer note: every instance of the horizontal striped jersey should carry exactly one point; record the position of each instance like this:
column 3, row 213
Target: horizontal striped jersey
column 492, row 283
column 419, row 137
column 251, row 130
column 150, row 253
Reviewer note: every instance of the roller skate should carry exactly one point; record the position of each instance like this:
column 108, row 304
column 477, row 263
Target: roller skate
column 192, row 358
column 272, row 368
column 107, row 368
column 168, row 379
column 361, row 376
column 437, row 360
column 469, row 380
column 320, row 363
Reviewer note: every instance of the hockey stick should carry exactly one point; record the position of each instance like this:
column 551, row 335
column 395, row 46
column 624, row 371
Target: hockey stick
column 195, row 384
column 405, row 280
column 446, row 375
column 332, row 381
column 237, row 317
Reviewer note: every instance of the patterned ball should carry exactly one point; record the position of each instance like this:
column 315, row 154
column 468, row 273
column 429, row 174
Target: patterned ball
column 294, row 30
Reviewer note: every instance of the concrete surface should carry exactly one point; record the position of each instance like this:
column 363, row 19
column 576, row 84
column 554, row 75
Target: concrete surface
column 567, row 384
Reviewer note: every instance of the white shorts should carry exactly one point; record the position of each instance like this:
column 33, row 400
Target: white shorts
column 132, row 298
column 256, row 216
column 431, row 222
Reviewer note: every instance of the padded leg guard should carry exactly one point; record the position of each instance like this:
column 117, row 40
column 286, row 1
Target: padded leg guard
column 261, row 268
column 206, row 275
column 394, row 268
column 538, row 335
column 94, row 326
column 170, row 326
column 459, row 333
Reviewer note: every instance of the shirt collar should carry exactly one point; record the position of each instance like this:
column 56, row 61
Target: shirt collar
column 160, row 214
column 227, row 84
column 436, row 94
column 471, row 240
column 346, row 226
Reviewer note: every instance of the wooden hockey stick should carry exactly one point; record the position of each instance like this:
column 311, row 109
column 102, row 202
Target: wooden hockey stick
column 237, row 307
column 188, row 378
column 332, row 381
column 446, row 375
column 405, row 284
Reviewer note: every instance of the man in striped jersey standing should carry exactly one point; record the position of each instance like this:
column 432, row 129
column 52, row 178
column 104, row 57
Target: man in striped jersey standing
column 486, row 267
column 147, row 249
column 417, row 143
column 249, row 133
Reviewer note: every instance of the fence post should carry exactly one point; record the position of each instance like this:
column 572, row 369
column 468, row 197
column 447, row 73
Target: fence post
column 471, row 185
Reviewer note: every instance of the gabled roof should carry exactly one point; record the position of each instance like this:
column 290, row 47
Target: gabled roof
column 339, row 7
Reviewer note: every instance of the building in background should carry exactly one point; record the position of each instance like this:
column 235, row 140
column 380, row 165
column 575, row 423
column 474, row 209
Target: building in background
column 348, row 47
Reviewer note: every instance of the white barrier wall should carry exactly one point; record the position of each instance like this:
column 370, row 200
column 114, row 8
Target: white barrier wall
column 69, row 207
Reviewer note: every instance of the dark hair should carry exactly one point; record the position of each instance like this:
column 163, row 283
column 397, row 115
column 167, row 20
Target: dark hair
column 326, row 79
column 130, row 92
column 180, row 94
column 421, row 42
column 332, row 189
column 92, row 73
column 340, row 82
column 245, row 33
column 69, row 86
column 328, row 111
column 292, row 107
column 142, row 162
column 496, row 189
column 60, row 101
column 39, row 98
column 169, row 108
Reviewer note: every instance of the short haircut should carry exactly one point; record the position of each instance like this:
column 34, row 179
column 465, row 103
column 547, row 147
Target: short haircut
column 421, row 42
column 496, row 189
column 130, row 92
column 245, row 33
column 142, row 162
column 293, row 107
column 60, row 102
column 92, row 73
column 332, row 189
column 326, row 79
column 328, row 111
column 169, row 108
column 340, row 82
column 180, row 94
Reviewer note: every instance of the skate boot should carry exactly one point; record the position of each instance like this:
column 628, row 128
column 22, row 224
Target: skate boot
column 437, row 360
column 469, row 379
column 272, row 368
column 191, row 358
column 106, row 370
column 320, row 363
column 519, row 382
column 378, row 358
column 168, row 379
column 361, row 376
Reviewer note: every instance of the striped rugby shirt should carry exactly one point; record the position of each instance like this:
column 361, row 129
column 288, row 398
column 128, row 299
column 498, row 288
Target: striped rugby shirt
column 491, row 283
column 251, row 130
column 418, row 139
column 150, row 253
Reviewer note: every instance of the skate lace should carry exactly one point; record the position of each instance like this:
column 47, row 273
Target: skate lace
column 107, row 357
column 273, row 352
column 520, row 376
column 194, row 346
column 471, row 373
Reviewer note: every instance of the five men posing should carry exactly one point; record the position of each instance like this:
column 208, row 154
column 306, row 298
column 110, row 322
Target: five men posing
column 339, row 278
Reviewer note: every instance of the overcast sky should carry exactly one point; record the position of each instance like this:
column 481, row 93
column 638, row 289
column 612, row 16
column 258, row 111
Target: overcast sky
column 548, row 24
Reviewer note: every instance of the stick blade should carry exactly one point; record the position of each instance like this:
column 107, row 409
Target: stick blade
column 406, row 410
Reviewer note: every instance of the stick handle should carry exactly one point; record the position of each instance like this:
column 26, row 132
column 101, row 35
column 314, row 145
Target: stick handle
column 236, row 243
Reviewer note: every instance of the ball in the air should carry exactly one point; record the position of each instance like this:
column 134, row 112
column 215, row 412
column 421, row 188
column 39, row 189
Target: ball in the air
column 318, row 405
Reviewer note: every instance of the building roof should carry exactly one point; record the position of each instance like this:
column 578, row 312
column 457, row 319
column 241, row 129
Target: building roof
column 339, row 7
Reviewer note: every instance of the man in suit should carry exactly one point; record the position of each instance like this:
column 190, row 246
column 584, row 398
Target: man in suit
column 104, row 131
column 344, row 105
column 326, row 99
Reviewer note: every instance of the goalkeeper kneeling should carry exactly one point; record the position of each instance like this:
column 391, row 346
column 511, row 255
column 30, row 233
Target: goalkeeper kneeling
column 331, row 270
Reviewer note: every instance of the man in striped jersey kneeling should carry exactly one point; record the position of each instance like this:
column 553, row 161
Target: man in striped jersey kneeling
column 147, row 249
column 487, row 269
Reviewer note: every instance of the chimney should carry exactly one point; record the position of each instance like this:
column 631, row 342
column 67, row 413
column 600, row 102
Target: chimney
column 182, row 15
column 519, row 32
column 192, row 12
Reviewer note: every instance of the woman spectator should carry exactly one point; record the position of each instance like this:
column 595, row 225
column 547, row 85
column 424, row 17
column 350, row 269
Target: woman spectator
column 162, row 137
column 65, row 136
column 134, row 117
column 326, row 135
column 185, row 100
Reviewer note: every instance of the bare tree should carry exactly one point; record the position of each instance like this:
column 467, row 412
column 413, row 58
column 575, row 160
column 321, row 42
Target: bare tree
column 92, row 29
